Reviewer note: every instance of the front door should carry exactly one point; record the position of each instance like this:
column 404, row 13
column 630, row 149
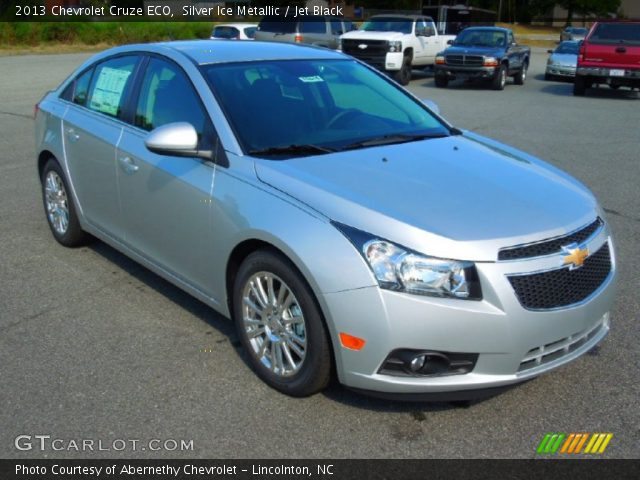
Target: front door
column 166, row 200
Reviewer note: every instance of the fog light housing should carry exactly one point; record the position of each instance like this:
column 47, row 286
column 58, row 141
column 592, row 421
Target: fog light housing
column 427, row 363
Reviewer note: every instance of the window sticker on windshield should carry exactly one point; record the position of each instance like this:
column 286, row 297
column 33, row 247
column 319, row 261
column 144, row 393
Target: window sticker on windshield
column 311, row 79
column 108, row 91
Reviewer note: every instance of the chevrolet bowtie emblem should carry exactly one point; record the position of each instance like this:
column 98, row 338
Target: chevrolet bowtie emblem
column 575, row 255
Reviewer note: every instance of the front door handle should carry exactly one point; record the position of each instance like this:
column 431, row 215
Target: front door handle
column 128, row 165
column 72, row 135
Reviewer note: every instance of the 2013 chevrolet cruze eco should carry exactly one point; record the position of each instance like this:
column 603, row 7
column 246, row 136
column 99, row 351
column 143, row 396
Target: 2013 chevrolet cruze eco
column 336, row 218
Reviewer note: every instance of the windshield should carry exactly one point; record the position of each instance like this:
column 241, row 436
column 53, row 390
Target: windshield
column 481, row 38
column 388, row 24
column 323, row 105
column 568, row 47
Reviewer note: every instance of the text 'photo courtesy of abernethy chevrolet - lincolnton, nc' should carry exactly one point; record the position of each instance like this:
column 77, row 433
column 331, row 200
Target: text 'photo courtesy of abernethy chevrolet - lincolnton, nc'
column 345, row 226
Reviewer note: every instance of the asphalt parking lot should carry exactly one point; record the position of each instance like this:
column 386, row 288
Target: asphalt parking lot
column 93, row 346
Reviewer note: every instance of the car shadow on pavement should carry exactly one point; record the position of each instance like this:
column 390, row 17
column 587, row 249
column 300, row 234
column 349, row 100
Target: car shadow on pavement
column 566, row 90
column 183, row 299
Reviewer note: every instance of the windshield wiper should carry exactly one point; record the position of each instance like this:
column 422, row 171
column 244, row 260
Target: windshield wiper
column 292, row 149
column 393, row 139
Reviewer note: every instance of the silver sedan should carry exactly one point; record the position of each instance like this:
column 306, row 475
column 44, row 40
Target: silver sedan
column 562, row 61
column 342, row 223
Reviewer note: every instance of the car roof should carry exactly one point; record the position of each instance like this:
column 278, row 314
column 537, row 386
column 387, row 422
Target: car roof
column 204, row 52
column 500, row 29
column 237, row 25
column 399, row 15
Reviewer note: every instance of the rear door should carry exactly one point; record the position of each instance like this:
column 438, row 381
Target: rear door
column 166, row 200
column 92, row 127
column 315, row 31
column 614, row 45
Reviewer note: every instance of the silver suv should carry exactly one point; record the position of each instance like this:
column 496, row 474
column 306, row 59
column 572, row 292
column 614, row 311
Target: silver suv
column 343, row 224
column 322, row 31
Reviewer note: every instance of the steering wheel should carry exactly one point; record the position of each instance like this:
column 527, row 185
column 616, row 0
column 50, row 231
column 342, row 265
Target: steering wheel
column 343, row 114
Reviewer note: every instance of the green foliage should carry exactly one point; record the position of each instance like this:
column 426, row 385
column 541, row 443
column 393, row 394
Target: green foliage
column 92, row 33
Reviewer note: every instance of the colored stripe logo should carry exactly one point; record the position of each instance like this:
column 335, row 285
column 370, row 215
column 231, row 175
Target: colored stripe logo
column 574, row 443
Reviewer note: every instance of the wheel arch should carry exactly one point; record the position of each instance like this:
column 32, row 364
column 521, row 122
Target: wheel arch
column 408, row 52
column 43, row 157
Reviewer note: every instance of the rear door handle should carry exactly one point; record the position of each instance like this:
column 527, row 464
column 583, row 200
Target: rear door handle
column 128, row 165
column 72, row 135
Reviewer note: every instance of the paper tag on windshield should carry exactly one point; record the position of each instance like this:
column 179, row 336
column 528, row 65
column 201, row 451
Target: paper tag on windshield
column 312, row 79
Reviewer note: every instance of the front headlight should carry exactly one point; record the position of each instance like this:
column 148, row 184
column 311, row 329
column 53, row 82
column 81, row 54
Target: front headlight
column 395, row 46
column 400, row 269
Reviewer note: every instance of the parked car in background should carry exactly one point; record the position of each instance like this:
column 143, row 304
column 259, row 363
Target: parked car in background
column 563, row 61
column 396, row 44
column 609, row 55
column 322, row 31
column 349, row 229
column 573, row 33
column 483, row 53
column 234, row 31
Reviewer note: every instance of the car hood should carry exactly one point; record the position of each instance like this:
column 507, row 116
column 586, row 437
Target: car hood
column 568, row 59
column 461, row 197
column 485, row 51
column 362, row 35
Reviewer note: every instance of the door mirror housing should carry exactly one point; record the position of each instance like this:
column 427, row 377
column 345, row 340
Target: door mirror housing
column 431, row 105
column 449, row 42
column 178, row 139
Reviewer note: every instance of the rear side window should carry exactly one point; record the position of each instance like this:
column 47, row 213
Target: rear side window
column 77, row 91
column 277, row 25
column 336, row 27
column 109, row 85
column 250, row 32
column 226, row 32
column 313, row 25
column 616, row 33
column 167, row 96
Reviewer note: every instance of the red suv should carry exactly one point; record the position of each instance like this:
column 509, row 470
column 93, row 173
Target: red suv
column 610, row 54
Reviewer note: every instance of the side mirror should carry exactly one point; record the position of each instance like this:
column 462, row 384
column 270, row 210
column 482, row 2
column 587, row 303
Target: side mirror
column 549, row 51
column 178, row 139
column 449, row 42
column 431, row 105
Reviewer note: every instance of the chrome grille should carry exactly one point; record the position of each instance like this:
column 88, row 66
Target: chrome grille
column 464, row 60
column 549, row 246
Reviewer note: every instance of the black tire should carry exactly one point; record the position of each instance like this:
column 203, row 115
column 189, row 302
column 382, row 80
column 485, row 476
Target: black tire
column 521, row 76
column 72, row 235
column 500, row 79
column 314, row 371
column 547, row 76
column 403, row 76
column 441, row 81
column 579, row 86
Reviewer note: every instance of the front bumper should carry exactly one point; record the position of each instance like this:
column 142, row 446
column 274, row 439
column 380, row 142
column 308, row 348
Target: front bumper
column 561, row 70
column 453, row 72
column 513, row 344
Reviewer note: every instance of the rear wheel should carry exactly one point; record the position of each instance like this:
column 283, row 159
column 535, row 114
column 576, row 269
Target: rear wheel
column 500, row 80
column 59, row 208
column 441, row 81
column 521, row 76
column 579, row 86
column 403, row 76
column 280, row 325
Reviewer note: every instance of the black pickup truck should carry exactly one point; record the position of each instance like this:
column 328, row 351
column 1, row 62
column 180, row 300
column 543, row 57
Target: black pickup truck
column 483, row 53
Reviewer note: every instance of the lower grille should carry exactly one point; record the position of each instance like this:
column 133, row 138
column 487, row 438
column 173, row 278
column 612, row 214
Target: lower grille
column 562, row 287
column 553, row 351
column 464, row 60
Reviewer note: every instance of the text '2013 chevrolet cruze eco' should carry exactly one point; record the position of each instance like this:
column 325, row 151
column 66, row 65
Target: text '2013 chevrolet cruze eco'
column 342, row 223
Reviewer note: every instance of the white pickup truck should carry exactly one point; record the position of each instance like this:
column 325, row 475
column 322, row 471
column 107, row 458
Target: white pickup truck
column 396, row 43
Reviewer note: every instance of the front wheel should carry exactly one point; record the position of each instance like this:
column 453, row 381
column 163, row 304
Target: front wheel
column 403, row 76
column 441, row 81
column 280, row 325
column 500, row 80
column 59, row 208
